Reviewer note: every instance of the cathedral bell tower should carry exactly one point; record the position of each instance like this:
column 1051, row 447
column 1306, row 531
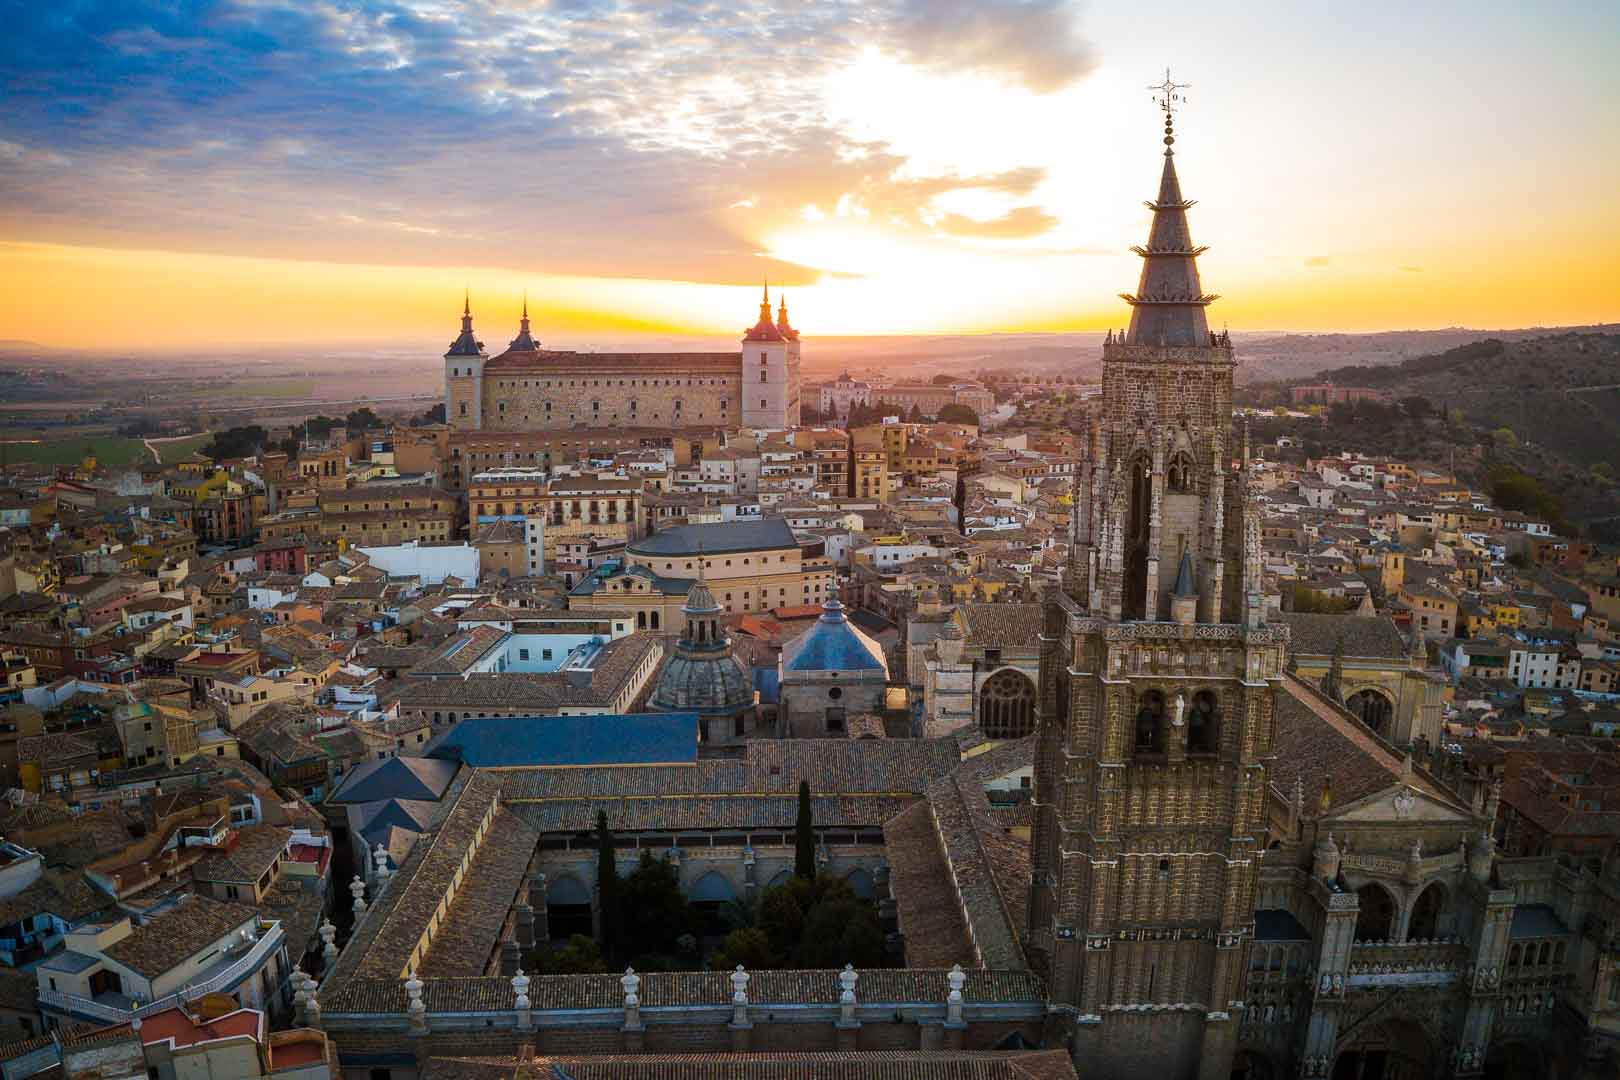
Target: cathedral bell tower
column 1158, row 674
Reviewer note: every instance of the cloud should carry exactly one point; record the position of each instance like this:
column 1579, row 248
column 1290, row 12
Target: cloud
column 1410, row 269
column 592, row 136
column 1019, row 223
column 1034, row 43
column 1318, row 260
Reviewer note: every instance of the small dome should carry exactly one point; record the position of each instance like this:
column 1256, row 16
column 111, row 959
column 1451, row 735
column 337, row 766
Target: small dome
column 715, row 683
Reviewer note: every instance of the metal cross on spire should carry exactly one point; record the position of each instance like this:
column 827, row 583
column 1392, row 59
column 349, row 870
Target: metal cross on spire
column 1168, row 95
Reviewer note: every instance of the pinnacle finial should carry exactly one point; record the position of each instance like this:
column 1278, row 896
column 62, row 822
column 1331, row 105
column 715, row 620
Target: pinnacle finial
column 1169, row 96
column 525, row 303
column 767, row 280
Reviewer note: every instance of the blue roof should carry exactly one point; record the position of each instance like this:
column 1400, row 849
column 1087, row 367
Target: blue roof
column 604, row 739
column 832, row 644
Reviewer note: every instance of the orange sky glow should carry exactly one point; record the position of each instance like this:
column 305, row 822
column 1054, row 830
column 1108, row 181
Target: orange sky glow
column 958, row 198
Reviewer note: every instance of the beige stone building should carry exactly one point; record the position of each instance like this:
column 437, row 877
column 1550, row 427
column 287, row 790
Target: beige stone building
column 527, row 388
column 748, row 566
column 389, row 514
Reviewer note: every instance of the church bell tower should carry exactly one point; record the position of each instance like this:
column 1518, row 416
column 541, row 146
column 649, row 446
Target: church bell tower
column 1158, row 674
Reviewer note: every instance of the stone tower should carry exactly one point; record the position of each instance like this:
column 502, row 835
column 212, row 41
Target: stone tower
column 1158, row 674
column 464, row 373
column 770, row 384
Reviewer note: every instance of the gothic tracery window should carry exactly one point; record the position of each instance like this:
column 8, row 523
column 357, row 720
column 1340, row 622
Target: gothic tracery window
column 1179, row 474
column 1007, row 705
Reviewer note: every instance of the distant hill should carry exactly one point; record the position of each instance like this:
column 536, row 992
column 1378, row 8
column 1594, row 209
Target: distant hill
column 1560, row 392
column 1272, row 357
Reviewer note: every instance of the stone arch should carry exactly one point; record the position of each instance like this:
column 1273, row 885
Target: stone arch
column 1150, row 722
column 782, row 878
column 713, row 887
column 1397, row 1049
column 1427, row 911
column 1374, row 707
column 1252, row 1064
column 1376, row 919
column 1007, row 705
column 568, row 908
column 1204, row 723
column 861, row 882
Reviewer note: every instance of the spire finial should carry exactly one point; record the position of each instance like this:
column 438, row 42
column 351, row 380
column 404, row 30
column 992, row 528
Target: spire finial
column 466, row 301
column 525, row 303
column 1169, row 96
column 767, row 280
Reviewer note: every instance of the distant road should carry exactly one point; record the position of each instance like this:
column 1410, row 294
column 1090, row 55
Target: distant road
column 157, row 454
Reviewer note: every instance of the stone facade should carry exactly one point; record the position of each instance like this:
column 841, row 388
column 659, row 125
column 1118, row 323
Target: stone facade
column 1158, row 679
column 527, row 388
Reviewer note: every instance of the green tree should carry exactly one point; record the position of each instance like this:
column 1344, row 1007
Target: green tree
column 750, row 947
column 943, row 380
column 955, row 413
column 607, row 877
column 434, row 415
column 781, row 914
column 804, row 837
column 1505, row 438
column 579, row 957
column 840, row 931
column 363, row 419
column 652, row 895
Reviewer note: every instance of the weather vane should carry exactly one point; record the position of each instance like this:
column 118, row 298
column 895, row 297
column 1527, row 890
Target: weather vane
column 1169, row 96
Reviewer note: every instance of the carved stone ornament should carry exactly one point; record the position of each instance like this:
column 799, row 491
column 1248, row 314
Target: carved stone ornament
column 1403, row 803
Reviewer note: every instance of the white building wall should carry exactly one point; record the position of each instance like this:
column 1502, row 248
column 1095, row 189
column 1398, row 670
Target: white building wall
column 430, row 563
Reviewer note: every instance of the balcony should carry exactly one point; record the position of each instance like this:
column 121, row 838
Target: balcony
column 119, row 1008
column 1407, row 963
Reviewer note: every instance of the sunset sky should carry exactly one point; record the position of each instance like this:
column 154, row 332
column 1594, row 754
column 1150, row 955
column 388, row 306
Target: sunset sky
column 270, row 171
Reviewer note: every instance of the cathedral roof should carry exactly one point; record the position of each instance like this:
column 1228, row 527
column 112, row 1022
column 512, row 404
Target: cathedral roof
column 700, row 681
column 524, row 342
column 833, row 644
column 466, row 344
column 1168, row 305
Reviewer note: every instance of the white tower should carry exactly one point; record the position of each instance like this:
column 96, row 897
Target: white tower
column 766, row 393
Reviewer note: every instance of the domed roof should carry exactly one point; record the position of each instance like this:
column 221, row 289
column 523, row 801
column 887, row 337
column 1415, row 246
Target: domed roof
column 832, row 644
column 694, row 682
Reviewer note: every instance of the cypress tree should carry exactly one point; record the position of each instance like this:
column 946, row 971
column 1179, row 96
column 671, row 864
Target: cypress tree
column 607, row 888
column 804, row 837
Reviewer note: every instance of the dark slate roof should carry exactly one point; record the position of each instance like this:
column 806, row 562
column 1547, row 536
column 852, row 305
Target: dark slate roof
column 1536, row 920
column 1361, row 635
column 669, row 586
column 832, row 644
column 396, row 778
column 767, row 534
column 1275, row 924
column 538, row 741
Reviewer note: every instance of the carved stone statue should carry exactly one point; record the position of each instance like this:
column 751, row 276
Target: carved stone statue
column 1181, row 708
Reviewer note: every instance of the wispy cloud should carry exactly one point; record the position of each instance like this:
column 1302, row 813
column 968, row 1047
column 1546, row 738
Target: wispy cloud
column 594, row 136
